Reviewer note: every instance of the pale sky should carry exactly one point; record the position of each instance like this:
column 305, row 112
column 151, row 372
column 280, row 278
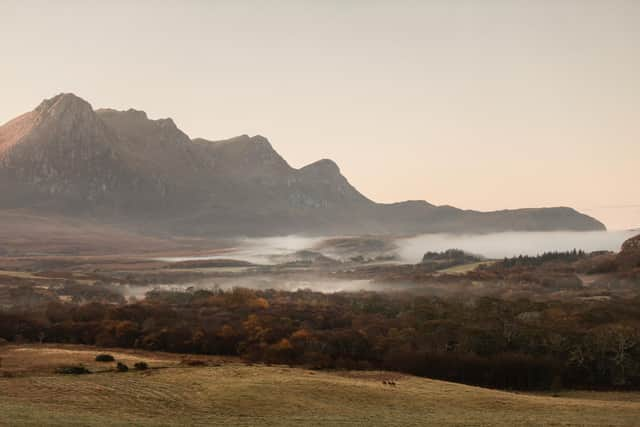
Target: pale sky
column 479, row 104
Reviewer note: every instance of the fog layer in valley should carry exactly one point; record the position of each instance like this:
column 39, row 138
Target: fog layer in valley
column 501, row 245
column 410, row 250
column 258, row 250
column 290, row 284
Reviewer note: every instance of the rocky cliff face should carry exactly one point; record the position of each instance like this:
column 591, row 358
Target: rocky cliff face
column 120, row 166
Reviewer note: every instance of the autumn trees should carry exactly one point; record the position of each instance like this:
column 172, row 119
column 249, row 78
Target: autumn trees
column 486, row 341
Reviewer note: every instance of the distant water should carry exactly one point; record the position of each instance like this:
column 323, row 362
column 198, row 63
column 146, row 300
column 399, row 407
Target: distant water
column 500, row 245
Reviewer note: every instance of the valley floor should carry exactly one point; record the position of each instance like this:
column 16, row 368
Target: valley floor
column 230, row 392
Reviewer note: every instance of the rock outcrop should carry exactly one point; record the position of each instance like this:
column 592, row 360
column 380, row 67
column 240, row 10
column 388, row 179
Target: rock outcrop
column 629, row 256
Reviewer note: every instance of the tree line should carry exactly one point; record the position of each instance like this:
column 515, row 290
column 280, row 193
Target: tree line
column 490, row 342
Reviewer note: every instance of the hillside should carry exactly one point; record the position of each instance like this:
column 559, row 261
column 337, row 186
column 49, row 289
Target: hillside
column 121, row 167
column 228, row 392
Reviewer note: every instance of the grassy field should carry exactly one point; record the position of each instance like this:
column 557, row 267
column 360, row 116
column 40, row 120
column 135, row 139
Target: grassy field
column 229, row 392
column 21, row 275
column 461, row 269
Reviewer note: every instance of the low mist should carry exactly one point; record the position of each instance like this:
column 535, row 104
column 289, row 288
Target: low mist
column 410, row 250
column 501, row 245
column 291, row 284
column 258, row 250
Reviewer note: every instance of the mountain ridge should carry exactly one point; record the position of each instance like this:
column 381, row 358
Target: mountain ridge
column 120, row 166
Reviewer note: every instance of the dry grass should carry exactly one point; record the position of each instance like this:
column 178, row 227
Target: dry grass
column 21, row 275
column 22, row 231
column 461, row 269
column 236, row 394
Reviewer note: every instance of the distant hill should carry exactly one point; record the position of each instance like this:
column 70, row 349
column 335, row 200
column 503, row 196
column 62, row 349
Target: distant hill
column 67, row 159
column 629, row 256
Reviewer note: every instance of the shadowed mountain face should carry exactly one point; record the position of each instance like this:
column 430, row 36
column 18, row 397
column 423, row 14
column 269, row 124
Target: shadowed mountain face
column 120, row 166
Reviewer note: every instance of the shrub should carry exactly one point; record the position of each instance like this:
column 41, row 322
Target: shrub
column 73, row 370
column 104, row 358
column 141, row 366
column 121, row 367
column 193, row 362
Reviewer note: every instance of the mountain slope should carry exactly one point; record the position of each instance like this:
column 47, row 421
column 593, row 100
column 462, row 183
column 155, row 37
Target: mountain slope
column 122, row 167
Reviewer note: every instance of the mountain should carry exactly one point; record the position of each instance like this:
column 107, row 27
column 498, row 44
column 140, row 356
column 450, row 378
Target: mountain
column 121, row 167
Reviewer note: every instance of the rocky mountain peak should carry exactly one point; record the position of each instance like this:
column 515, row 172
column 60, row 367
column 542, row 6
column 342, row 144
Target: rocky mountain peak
column 67, row 117
column 259, row 139
column 324, row 167
column 64, row 120
column 131, row 114
column 136, row 114
column 167, row 123
column 135, row 125
column 64, row 104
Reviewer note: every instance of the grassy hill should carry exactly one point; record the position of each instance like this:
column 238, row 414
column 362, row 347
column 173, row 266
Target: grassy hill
column 229, row 392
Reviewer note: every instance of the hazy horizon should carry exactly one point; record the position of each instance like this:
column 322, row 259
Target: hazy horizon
column 487, row 106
